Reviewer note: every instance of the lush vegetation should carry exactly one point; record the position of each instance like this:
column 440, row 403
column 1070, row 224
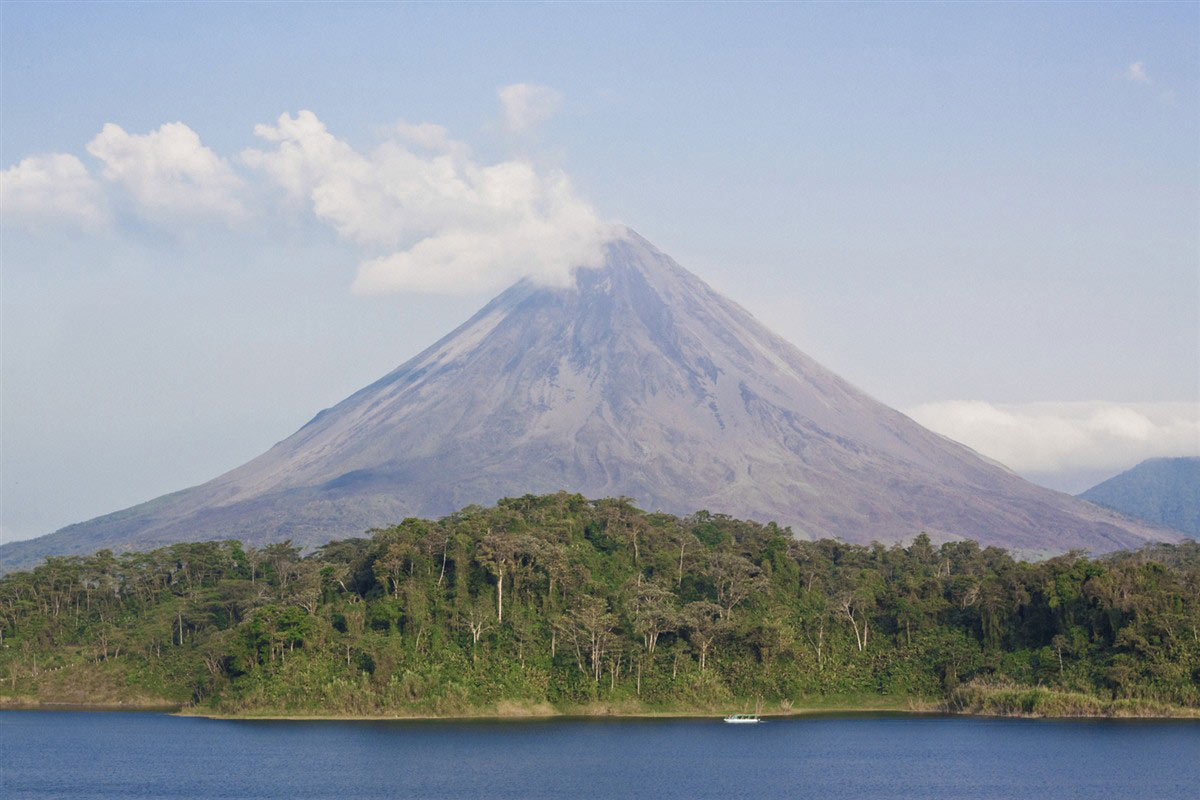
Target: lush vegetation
column 558, row 602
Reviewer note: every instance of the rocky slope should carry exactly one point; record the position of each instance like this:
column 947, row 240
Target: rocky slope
column 640, row 381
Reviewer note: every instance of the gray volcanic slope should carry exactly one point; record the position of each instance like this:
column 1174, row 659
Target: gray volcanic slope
column 639, row 381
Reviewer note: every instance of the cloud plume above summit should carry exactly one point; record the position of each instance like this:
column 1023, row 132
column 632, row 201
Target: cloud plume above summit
column 417, row 210
column 430, row 216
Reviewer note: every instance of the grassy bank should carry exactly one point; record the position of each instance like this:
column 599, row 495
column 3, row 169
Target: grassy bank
column 114, row 685
column 1007, row 700
column 975, row 699
column 26, row 703
column 512, row 709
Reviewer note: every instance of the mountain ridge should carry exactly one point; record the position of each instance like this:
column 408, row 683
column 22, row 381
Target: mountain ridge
column 1162, row 491
column 639, row 381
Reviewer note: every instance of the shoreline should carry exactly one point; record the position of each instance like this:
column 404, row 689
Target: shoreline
column 33, row 704
column 546, row 712
column 572, row 714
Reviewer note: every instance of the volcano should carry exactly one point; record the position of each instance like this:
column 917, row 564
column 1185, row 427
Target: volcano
column 638, row 381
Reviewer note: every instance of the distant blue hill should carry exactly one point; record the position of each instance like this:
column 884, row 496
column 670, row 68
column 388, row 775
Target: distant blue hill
column 1165, row 491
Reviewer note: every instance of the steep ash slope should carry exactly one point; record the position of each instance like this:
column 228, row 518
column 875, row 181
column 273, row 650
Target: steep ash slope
column 639, row 381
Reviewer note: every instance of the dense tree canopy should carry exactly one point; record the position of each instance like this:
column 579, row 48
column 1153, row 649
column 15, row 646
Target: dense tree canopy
column 562, row 600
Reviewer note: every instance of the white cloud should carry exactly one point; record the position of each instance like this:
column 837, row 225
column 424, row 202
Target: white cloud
column 428, row 136
column 1136, row 73
column 1044, row 438
column 53, row 189
column 421, row 213
column 435, row 220
column 527, row 105
column 169, row 173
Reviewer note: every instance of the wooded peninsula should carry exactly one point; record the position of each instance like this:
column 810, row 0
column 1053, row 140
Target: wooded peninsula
column 560, row 604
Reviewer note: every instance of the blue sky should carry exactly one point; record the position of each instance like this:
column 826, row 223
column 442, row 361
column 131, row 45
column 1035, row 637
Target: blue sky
column 984, row 214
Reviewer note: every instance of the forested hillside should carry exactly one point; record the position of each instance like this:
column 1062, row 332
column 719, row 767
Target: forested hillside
column 558, row 602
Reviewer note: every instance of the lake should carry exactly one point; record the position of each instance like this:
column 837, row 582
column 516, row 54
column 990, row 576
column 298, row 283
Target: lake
column 146, row 755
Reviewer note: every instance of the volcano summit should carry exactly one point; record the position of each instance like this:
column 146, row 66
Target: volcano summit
column 639, row 381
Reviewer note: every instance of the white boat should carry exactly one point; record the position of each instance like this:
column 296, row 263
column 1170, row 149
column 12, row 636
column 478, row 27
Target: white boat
column 742, row 719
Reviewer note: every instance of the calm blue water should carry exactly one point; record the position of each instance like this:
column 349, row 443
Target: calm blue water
column 110, row 755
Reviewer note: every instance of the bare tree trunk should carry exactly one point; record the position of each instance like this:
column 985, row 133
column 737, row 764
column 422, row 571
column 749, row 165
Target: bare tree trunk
column 579, row 657
column 500, row 595
column 818, row 644
column 679, row 580
column 859, row 637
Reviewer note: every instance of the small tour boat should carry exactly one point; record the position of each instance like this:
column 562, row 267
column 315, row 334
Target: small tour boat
column 742, row 719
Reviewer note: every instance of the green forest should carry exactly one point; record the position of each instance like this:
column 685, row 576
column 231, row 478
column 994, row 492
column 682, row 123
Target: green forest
column 560, row 604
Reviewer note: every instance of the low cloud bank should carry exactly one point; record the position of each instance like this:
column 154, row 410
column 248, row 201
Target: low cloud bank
column 1066, row 438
